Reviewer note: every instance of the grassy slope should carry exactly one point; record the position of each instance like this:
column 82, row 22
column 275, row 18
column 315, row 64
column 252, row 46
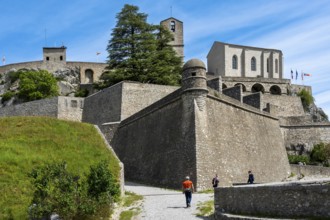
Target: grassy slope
column 26, row 142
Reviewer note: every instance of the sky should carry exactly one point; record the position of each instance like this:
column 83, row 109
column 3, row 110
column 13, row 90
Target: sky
column 300, row 28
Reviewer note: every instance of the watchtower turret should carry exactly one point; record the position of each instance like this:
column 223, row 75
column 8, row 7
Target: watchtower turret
column 194, row 81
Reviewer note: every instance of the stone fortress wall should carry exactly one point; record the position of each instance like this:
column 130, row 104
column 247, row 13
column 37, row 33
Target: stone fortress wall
column 67, row 108
column 168, row 133
column 54, row 59
column 122, row 100
column 296, row 200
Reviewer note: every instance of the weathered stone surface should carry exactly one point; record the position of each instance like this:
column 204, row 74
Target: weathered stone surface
column 287, row 200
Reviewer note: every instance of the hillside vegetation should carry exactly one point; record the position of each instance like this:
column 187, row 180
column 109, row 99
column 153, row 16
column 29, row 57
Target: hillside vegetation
column 28, row 142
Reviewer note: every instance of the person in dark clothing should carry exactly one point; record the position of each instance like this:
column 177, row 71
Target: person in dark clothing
column 215, row 181
column 251, row 177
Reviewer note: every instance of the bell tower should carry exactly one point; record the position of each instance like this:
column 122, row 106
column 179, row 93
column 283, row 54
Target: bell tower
column 176, row 28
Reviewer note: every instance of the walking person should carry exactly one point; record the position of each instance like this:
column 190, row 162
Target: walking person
column 188, row 189
column 251, row 177
column 215, row 181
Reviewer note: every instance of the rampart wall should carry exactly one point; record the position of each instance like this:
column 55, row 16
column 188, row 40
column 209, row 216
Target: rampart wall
column 283, row 200
column 68, row 108
column 152, row 147
column 308, row 170
column 104, row 106
column 96, row 68
column 286, row 105
column 241, row 139
column 44, row 107
column 305, row 135
column 122, row 100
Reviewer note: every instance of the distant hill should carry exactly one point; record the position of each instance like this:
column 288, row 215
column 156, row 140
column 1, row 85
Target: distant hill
column 27, row 142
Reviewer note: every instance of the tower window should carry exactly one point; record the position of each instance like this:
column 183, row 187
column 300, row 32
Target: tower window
column 193, row 74
column 61, row 57
column 47, row 58
column 276, row 65
column 267, row 65
column 253, row 64
column 173, row 26
column 234, row 62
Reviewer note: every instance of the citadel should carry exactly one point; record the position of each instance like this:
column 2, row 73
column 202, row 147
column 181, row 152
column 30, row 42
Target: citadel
column 235, row 114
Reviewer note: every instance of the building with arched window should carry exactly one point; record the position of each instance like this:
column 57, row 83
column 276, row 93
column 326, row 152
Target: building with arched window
column 249, row 61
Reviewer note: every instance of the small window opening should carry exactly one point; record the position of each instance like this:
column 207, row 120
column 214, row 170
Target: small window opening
column 253, row 64
column 61, row 57
column 173, row 26
column 74, row 103
column 193, row 74
column 47, row 58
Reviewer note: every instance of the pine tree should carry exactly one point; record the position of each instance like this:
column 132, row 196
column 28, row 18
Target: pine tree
column 139, row 51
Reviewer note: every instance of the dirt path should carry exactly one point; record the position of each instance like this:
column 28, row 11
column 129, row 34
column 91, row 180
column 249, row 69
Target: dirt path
column 162, row 204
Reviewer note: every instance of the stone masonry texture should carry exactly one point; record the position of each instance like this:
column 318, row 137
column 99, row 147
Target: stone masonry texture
column 286, row 200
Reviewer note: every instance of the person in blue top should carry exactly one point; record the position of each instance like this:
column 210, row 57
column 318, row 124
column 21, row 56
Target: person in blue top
column 251, row 177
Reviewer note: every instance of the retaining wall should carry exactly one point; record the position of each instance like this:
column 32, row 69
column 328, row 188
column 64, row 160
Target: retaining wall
column 287, row 200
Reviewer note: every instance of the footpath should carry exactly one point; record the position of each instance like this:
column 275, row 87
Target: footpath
column 163, row 204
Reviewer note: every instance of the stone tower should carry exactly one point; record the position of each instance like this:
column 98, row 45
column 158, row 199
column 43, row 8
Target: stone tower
column 194, row 81
column 54, row 58
column 176, row 27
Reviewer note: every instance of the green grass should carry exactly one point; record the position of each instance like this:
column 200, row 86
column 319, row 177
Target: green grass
column 27, row 142
column 205, row 208
column 131, row 198
column 130, row 203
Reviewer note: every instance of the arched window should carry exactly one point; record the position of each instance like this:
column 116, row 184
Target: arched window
column 172, row 26
column 243, row 86
column 234, row 62
column 276, row 65
column 257, row 88
column 89, row 76
column 267, row 65
column 275, row 90
column 253, row 64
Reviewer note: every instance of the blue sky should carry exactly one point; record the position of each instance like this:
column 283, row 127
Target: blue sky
column 300, row 28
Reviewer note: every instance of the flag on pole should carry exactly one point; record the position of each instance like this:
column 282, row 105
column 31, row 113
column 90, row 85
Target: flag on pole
column 307, row 74
column 3, row 60
column 302, row 76
column 296, row 74
column 291, row 74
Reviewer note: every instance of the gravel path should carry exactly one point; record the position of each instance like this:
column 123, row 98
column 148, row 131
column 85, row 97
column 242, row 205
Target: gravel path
column 163, row 204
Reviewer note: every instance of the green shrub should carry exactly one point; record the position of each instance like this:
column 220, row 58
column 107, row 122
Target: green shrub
column 295, row 159
column 56, row 190
column 14, row 75
column 81, row 93
column 36, row 85
column 321, row 153
column 7, row 96
column 306, row 98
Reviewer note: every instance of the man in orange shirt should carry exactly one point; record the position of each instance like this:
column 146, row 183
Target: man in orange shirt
column 188, row 189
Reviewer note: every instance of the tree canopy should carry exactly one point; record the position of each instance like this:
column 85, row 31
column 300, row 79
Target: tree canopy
column 36, row 85
column 139, row 51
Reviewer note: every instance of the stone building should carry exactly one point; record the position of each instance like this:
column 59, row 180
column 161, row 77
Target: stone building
column 243, row 61
column 176, row 28
column 54, row 60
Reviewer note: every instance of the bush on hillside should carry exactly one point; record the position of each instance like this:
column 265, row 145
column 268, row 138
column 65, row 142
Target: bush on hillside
column 321, row 153
column 7, row 96
column 306, row 98
column 295, row 159
column 36, row 85
column 81, row 93
column 56, row 190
